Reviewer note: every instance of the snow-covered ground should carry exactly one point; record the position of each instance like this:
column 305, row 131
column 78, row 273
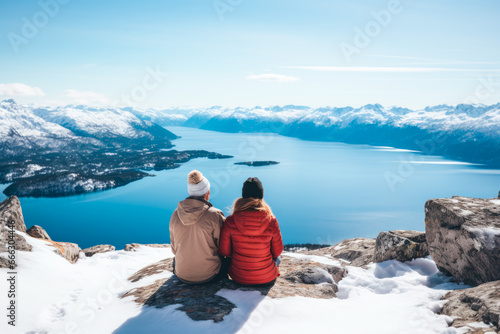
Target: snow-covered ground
column 58, row 297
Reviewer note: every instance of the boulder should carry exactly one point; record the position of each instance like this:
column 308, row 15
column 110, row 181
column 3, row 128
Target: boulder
column 38, row 232
column 463, row 235
column 98, row 249
column 312, row 275
column 67, row 250
column 10, row 210
column 400, row 245
column 299, row 277
column 133, row 247
column 356, row 252
column 477, row 304
column 20, row 244
column 4, row 263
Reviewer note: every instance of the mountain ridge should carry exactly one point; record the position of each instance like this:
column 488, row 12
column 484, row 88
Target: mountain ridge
column 64, row 151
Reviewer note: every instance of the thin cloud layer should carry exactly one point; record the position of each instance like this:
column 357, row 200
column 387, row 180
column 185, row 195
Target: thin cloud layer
column 20, row 89
column 387, row 69
column 272, row 77
column 85, row 97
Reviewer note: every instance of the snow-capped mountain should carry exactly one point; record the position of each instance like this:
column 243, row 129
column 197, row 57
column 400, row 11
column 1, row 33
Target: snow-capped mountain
column 70, row 150
column 466, row 132
column 71, row 128
column 442, row 117
column 103, row 122
column 22, row 133
column 19, row 120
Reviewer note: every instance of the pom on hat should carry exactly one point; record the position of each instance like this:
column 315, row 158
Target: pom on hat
column 195, row 177
column 198, row 185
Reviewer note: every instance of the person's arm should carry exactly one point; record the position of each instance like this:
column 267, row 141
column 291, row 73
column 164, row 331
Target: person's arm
column 171, row 230
column 218, row 228
column 276, row 242
column 225, row 240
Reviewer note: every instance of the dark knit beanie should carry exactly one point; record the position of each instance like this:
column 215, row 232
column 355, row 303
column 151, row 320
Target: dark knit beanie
column 253, row 188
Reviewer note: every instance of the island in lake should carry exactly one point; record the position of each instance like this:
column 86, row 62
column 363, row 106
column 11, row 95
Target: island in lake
column 257, row 163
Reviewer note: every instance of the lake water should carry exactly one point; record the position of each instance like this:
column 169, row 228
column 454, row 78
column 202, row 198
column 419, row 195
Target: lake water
column 321, row 192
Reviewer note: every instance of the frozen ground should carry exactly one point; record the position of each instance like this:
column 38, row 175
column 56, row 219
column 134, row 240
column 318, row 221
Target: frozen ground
column 58, row 297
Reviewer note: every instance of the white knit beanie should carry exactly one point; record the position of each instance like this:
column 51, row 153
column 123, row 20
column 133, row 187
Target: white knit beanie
column 198, row 185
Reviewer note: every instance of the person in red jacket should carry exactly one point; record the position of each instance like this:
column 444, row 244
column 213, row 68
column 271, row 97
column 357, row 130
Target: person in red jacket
column 251, row 237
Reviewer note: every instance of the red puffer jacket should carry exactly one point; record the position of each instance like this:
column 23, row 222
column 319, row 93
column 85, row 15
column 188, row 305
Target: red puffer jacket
column 253, row 241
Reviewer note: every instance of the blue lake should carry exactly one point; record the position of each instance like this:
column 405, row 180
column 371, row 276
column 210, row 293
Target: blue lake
column 321, row 192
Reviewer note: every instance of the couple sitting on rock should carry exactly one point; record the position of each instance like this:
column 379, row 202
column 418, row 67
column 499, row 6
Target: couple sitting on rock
column 207, row 246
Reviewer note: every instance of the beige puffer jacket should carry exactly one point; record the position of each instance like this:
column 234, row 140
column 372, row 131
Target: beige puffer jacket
column 194, row 236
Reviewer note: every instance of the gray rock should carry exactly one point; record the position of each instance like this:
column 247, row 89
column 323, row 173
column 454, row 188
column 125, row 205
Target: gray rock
column 4, row 263
column 20, row 244
column 356, row 252
column 463, row 235
column 98, row 249
column 10, row 210
column 312, row 275
column 133, row 247
column 38, row 232
column 478, row 304
column 200, row 302
column 67, row 250
column 400, row 245
column 153, row 269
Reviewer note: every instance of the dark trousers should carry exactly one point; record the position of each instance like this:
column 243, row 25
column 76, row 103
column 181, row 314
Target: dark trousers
column 222, row 274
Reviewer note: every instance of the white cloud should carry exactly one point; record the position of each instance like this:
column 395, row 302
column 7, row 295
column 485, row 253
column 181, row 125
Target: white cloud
column 85, row 97
column 428, row 61
column 386, row 69
column 272, row 77
column 19, row 89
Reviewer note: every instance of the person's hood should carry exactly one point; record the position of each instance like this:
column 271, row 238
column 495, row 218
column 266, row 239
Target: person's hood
column 251, row 222
column 191, row 210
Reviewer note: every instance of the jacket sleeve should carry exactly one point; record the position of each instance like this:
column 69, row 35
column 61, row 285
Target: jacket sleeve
column 225, row 240
column 171, row 230
column 276, row 242
column 218, row 227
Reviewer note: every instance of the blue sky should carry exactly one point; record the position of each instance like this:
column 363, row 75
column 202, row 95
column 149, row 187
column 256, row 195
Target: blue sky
column 250, row 52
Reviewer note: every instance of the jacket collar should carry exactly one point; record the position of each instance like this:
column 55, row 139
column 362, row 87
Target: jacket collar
column 201, row 199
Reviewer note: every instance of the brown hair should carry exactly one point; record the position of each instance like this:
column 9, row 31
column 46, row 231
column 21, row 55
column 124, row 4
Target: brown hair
column 251, row 204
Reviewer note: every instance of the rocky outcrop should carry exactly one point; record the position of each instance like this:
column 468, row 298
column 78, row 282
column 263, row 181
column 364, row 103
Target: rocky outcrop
column 38, row 232
column 299, row 277
column 356, row 252
column 67, row 250
column 20, row 244
column 400, row 245
column 133, row 246
column 10, row 211
column 98, row 249
column 478, row 304
column 4, row 263
column 463, row 235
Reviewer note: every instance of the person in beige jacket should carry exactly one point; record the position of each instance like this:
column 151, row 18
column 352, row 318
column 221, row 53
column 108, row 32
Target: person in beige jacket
column 194, row 234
